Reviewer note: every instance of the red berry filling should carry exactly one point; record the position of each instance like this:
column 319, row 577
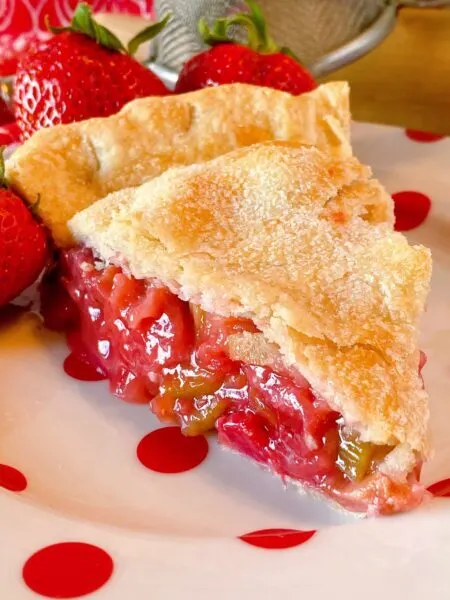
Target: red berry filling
column 155, row 348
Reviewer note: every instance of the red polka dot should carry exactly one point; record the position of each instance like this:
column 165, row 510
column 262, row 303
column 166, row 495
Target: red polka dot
column 423, row 136
column 67, row 570
column 410, row 209
column 12, row 479
column 167, row 450
column 277, row 538
column 78, row 368
column 441, row 489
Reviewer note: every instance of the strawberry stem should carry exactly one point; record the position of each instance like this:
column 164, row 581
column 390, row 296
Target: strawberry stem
column 288, row 52
column 83, row 22
column 258, row 38
column 217, row 35
column 266, row 43
column 147, row 34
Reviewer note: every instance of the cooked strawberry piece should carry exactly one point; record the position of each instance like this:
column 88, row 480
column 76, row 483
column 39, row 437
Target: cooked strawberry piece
column 215, row 329
column 294, row 405
column 124, row 291
column 128, row 386
column 248, row 432
column 212, row 337
column 152, row 307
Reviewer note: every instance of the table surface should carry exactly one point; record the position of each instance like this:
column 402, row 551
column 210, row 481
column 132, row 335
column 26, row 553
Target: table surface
column 405, row 81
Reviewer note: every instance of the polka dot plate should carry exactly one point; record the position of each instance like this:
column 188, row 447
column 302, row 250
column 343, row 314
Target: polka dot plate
column 98, row 500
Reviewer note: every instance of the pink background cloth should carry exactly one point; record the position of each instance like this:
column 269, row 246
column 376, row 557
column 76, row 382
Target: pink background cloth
column 22, row 20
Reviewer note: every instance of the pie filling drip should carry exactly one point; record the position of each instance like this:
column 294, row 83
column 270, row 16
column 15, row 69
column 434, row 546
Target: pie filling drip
column 155, row 348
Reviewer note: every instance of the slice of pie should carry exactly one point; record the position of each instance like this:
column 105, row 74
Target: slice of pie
column 71, row 166
column 264, row 294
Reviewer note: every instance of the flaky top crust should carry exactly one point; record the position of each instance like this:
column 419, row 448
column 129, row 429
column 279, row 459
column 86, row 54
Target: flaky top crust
column 70, row 166
column 301, row 243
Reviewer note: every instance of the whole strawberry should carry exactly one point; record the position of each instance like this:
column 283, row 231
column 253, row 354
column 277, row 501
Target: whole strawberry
column 259, row 62
column 23, row 244
column 82, row 72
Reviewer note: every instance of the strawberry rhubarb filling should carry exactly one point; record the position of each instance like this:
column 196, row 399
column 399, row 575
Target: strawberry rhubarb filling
column 158, row 349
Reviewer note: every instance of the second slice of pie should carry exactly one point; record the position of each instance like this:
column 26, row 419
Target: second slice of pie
column 265, row 295
column 69, row 167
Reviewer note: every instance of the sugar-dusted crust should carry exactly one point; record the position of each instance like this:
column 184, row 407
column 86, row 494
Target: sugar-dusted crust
column 283, row 234
column 70, row 166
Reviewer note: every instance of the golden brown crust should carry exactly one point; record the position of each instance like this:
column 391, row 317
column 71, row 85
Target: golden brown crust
column 70, row 166
column 255, row 233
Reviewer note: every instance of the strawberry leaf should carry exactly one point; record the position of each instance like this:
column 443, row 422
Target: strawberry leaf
column 258, row 38
column 83, row 22
column 258, row 20
column 217, row 35
column 147, row 34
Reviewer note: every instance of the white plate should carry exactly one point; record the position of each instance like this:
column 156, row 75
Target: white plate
column 176, row 535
